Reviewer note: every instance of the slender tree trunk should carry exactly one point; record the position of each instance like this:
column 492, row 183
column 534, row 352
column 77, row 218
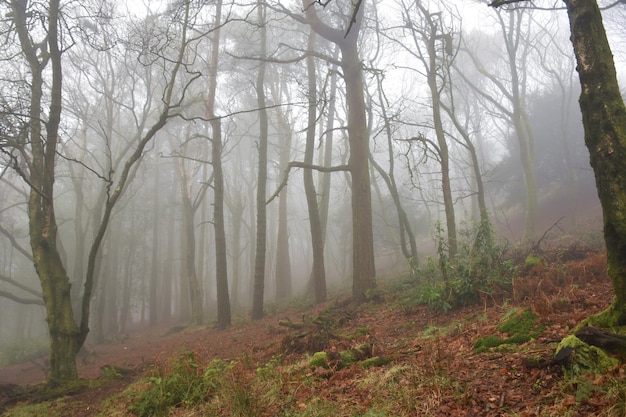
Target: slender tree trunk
column 221, row 261
column 318, row 273
column 325, row 177
column 444, row 157
column 604, row 120
column 283, row 256
column 156, row 263
column 237, row 219
column 261, row 221
column 520, row 120
column 406, row 230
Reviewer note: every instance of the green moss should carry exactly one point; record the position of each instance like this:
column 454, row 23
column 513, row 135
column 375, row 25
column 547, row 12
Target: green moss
column 606, row 319
column 521, row 325
column 487, row 342
column 585, row 358
column 517, row 339
column 348, row 357
column 375, row 361
column 319, row 359
column 532, row 261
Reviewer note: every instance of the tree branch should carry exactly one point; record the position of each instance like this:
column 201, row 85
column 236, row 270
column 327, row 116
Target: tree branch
column 298, row 164
column 21, row 300
column 21, row 286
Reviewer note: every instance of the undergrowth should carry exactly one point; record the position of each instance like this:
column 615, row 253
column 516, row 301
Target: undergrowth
column 23, row 349
column 180, row 382
column 480, row 269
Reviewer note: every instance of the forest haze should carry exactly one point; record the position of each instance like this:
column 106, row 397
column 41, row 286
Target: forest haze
column 192, row 160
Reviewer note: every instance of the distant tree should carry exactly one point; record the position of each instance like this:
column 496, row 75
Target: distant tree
column 261, row 211
column 408, row 243
column 221, row 261
column 318, row 274
column 285, row 132
column 431, row 42
column 504, row 88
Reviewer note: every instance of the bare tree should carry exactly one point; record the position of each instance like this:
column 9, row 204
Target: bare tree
column 35, row 160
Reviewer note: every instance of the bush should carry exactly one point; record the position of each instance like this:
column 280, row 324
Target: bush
column 480, row 267
column 179, row 383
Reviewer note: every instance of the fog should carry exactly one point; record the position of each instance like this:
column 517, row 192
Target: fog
column 119, row 66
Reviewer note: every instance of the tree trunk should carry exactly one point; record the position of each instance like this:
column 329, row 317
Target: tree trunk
column 444, row 157
column 318, row 274
column 221, row 261
column 325, row 177
column 363, row 267
column 261, row 221
column 188, row 254
column 156, row 265
column 520, row 120
column 283, row 257
column 604, row 120
column 55, row 283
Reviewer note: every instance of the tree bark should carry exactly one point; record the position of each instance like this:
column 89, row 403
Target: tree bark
column 604, row 121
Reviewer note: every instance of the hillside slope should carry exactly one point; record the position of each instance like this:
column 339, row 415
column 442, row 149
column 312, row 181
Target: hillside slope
column 432, row 363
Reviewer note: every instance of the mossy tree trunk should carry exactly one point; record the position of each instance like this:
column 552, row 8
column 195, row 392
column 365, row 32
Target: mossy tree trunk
column 43, row 140
column 604, row 120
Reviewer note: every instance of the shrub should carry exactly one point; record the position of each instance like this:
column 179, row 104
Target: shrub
column 480, row 267
column 179, row 383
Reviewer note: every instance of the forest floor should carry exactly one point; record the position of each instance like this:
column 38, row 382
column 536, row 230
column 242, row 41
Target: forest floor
column 433, row 367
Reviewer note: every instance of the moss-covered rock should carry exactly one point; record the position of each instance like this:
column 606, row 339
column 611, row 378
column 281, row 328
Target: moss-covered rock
column 584, row 358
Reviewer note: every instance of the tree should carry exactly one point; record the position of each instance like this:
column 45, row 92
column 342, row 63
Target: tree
column 191, row 201
column 506, row 92
column 429, row 31
column 604, row 121
column 221, row 262
column 261, row 220
column 318, row 273
column 278, row 87
column 363, row 266
column 34, row 157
